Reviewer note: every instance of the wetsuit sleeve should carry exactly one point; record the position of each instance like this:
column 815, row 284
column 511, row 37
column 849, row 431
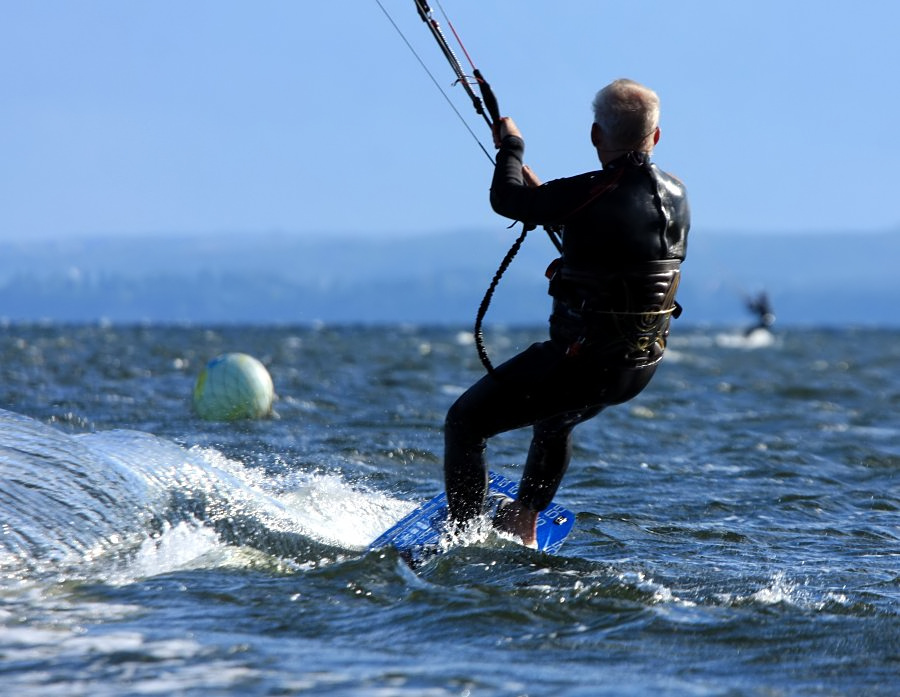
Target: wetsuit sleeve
column 508, row 185
column 511, row 197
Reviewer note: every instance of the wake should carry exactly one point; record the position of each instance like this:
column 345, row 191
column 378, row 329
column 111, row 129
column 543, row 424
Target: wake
column 124, row 504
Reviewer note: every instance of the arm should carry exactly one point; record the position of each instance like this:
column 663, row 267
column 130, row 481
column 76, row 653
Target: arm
column 512, row 179
column 516, row 191
column 508, row 184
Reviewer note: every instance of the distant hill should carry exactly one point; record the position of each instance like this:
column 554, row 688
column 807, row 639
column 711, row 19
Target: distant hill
column 812, row 279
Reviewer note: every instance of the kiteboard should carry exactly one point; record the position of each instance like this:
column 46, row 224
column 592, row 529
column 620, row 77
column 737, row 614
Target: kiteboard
column 417, row 536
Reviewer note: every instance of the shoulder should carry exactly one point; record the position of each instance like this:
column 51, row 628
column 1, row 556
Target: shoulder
column 672, row 182
column 585, row 180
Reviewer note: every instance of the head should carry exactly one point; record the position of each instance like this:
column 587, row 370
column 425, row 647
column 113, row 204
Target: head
column 626, row 117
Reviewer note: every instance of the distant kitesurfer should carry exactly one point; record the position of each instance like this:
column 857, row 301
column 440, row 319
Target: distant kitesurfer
column 624, row 235
column 762, row 308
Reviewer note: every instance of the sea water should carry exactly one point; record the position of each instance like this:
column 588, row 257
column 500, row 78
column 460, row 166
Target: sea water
column 737, row 532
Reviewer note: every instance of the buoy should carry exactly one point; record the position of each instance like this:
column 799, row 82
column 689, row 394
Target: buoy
column 234, row 386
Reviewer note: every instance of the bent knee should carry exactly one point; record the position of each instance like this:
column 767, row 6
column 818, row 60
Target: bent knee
column 458, row 420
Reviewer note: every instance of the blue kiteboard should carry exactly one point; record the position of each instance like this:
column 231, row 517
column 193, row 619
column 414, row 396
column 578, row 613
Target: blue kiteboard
column 417, row 535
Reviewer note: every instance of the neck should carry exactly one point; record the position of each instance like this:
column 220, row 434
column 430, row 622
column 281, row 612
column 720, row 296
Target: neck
column 609, row 156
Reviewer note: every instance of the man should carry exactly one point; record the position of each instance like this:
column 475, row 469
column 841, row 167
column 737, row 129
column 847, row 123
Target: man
column 762, row 308
column 624, row 236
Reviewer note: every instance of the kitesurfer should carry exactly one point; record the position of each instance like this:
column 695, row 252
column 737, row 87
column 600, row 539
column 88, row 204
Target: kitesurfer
column 624, row 235
column 762, row 308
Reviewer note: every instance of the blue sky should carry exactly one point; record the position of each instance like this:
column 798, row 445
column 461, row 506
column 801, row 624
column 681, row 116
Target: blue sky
column 219, row 116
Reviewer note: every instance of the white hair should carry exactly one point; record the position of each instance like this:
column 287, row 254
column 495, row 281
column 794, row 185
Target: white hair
column 627, row 114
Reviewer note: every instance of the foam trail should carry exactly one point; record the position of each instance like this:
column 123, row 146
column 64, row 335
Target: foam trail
column 146, row 502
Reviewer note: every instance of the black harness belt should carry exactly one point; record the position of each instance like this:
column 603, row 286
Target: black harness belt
column 622, row 314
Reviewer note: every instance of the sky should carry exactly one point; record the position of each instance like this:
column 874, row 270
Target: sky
column 314, row 117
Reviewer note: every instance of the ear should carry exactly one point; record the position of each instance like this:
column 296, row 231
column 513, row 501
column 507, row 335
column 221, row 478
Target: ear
column 596, row 135
column 656, row 136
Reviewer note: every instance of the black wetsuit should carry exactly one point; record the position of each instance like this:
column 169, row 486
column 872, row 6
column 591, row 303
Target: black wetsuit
column 624, row 236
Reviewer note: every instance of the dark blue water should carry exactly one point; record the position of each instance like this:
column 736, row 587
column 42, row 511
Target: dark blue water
column 738, row 524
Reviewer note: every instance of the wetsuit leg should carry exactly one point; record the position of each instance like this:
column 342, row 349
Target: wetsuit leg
column 540, row 387
column 512, row 397
column 549, row 456
column 465, row 473
column 551, row 444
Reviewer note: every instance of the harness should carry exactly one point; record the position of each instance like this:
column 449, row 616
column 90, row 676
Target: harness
column 625, row 313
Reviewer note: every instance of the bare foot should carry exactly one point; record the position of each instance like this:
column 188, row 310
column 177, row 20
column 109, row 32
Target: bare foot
column 515, row 519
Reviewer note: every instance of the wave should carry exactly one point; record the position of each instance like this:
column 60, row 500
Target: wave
column 122, row 504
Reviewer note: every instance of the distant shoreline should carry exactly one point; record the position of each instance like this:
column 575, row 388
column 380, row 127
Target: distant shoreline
column 813, row 279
